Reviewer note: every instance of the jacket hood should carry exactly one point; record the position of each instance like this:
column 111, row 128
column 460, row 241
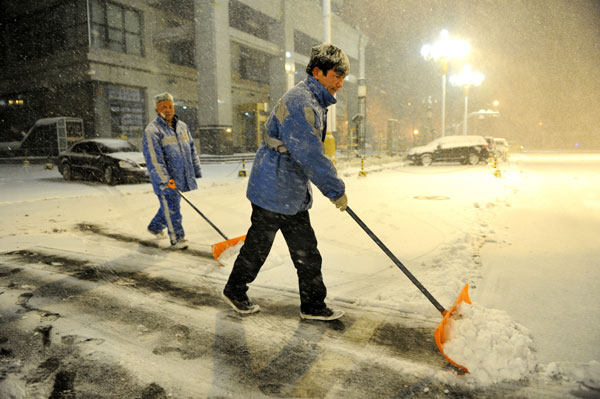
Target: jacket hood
column 323, row 95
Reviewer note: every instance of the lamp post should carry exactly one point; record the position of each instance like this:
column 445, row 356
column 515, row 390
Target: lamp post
column 443, row 50
column 466, row 79
column 415, row 135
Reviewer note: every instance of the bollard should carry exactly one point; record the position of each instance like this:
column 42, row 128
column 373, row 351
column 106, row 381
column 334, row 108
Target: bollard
column 493, row 162
column 362, row 171
column 242, row 172
column 329, row 146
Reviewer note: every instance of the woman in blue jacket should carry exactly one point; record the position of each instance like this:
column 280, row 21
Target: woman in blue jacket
column 170, row 154
column 279, row 189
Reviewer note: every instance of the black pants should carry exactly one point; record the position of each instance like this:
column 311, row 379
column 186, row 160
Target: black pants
column 302, row 244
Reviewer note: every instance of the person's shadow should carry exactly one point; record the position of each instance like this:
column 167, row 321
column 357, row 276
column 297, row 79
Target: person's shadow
column 235, row 367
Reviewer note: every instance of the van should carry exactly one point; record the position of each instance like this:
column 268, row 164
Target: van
column 50, row 136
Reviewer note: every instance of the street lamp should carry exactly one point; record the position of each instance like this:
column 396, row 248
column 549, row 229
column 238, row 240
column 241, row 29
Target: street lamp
column 415, row 134
column 443, row 50
column 466, row 79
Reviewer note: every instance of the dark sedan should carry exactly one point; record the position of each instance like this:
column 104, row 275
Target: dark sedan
column 108, row 160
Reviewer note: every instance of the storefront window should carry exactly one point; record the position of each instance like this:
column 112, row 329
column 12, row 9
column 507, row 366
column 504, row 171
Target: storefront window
column 126, row 107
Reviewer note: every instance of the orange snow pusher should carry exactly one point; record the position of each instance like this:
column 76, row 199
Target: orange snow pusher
column 441, row 332
column 220, row 247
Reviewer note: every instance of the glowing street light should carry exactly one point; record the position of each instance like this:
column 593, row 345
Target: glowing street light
column 443, row 50
column 466, row 79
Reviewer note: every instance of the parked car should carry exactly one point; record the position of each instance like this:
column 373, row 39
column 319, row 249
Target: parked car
column 109, row 160
column 501, row 150
column 464, row 149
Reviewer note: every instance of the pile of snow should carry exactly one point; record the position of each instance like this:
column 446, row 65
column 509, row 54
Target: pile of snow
column 490, row 344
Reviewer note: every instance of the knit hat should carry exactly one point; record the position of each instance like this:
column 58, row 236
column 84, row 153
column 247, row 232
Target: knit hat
column 162, row 97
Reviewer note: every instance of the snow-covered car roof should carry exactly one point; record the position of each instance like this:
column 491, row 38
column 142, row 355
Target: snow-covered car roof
column 49, row 121
column 111, row 143
column 459, row 141
column 450, row 142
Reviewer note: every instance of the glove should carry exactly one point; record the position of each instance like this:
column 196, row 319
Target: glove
column 341, row 203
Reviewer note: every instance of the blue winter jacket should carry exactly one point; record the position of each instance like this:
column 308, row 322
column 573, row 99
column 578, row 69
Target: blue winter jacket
column 170, row 154
column 292, row 153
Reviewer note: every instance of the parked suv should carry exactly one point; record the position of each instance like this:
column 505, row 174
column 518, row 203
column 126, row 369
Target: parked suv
column 464, row 149
column 501, row 148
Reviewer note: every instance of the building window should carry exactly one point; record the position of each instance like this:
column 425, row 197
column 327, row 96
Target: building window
column 254, row 65
column 182, row 53
column 126, row 106
column 303, row 43
column 116, row 27
column 249, row 20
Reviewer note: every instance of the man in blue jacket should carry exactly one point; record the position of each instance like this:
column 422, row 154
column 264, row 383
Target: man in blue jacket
column 170, row 154
column 290, row 157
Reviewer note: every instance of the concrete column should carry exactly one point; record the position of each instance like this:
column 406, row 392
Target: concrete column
column 362, row 94
column 288, row 44
column 213, row 60
column 331, row 117
column 282, row 35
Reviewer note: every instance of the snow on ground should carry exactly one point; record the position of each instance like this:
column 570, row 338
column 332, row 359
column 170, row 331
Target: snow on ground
column 436, row 220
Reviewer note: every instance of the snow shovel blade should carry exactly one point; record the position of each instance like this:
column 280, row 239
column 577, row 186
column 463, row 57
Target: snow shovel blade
column 441, row 332
column 220, row 247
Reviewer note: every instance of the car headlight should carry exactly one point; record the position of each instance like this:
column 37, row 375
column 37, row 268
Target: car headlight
column 128, row 165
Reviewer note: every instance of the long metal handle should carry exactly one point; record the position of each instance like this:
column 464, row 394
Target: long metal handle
column 200, row 213
column 389, row 253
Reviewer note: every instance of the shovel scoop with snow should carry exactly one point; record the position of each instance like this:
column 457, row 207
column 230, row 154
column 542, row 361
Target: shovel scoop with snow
column 441, row 332
column 220, row 247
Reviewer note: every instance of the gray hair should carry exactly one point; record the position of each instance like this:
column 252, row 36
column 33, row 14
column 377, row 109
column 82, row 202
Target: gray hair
column 162, row 97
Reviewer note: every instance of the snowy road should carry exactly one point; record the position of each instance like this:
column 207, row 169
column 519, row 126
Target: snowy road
column 89, row 308
column 545, row 268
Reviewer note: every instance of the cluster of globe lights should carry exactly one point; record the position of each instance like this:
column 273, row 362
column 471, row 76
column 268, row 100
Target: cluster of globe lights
column 443, row 50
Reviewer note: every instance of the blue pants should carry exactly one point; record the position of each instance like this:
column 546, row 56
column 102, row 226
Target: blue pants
column 169, row 216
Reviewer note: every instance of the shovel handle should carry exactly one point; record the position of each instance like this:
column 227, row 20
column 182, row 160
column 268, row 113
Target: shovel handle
column 389, row 253
column 171, row 185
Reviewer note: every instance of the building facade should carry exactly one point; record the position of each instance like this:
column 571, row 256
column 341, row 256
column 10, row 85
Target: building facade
column 226, row 62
